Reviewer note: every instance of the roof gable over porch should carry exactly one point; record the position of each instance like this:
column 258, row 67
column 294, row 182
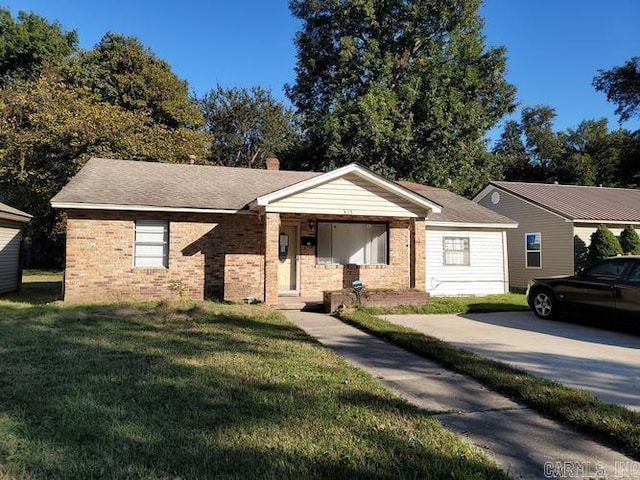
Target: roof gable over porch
column 350, row 190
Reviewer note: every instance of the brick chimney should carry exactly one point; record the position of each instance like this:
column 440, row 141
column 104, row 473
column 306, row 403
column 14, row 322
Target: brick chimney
column 272, row 164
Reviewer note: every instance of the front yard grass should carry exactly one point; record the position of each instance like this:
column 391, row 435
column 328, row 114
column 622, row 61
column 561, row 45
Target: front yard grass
column 614, row 424
column 490, row 303
column 200, row 390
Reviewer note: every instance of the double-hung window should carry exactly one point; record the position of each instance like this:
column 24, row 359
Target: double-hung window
column 151, row 244
column 456, row 250
column 352, row 243
column 533, row 247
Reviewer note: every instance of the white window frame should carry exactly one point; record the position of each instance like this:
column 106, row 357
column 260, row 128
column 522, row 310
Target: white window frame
column 466, row 252
column 527, row 250
column 332, row 259
column 151, row 227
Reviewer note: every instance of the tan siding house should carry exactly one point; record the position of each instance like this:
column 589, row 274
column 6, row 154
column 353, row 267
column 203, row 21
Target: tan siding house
column 11, row 222
column 561, row 218
column 139, row 230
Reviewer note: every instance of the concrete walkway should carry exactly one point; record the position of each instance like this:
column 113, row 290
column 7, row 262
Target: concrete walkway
column 522, row 442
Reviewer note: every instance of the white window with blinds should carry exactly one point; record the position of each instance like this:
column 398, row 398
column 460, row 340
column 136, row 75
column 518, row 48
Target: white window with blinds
column 352, row 243
column 151, row 244
column 456, row 251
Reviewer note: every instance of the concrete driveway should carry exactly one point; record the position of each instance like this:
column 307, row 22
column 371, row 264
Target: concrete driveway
column 605, row 363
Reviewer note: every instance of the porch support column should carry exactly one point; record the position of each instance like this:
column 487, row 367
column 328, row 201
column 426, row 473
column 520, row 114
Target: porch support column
column 271, row 232
column 418, row 239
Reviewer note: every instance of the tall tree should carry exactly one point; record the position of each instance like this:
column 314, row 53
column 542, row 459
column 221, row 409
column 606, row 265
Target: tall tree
column 530, row 150
column 543, row 144
column 406, row 87
column 29, row 43
column 47, row 132
column 122, row 71
column 622, row 87
column 512, row 154
column 247, row 125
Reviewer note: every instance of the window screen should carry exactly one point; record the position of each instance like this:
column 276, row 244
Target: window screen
column 151, row 244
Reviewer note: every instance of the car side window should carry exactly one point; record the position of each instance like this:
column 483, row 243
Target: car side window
column 634, row 276
column 609, row 269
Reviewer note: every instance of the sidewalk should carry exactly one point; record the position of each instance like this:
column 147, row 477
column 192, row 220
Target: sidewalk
column 525, row 444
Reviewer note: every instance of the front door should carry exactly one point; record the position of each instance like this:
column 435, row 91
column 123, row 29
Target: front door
column 287, row 259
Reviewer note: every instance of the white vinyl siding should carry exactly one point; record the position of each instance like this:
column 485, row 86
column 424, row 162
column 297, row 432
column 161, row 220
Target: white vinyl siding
column 9, row 258
column 352, row 243
column 151, row 244
column 557, row 238
column 485, row 272
column 348, row 195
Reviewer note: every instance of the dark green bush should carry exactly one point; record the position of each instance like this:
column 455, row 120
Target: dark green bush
column 603, row 244
column 630, row 241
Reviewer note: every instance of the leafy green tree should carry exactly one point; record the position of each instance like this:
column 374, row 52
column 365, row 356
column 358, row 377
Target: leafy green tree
column 630, row 241
column 512, row 154
column 49, row 129
column 29, row 43
column 543, row 144
column 406, row 87
column 247, row 126
column 603, row 244
column 530, row 150
column 123, row 72
column 622, row 87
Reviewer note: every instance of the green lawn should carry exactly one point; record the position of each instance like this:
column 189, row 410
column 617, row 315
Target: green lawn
column 579, row 409
column 188, row 391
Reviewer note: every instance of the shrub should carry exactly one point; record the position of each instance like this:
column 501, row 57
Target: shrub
column 630, row 241
column 603, row 244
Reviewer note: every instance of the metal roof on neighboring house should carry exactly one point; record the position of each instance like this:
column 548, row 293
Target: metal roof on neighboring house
column 457, row 209
column 577, row 202
column 10, row 213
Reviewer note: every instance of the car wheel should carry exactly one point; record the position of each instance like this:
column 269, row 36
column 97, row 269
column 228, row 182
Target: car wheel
column 543, row 304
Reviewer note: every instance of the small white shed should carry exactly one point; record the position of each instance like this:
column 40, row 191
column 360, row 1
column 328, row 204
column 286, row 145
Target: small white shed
column 11, row 223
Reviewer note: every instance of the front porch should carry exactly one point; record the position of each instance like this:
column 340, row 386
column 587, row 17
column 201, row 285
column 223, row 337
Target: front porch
column 303, row 260
column 349, row 224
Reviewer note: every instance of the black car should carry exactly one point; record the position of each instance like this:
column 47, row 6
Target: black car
column 610, row 286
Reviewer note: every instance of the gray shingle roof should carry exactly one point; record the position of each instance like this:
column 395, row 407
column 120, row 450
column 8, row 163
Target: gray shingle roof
column 456, row 208
column 126, row 182
column 576, row 202
column 7, row 212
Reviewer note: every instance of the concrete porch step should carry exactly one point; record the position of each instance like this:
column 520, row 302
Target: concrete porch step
column 296, row 303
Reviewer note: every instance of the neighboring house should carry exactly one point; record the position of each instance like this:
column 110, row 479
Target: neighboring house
column 140, row 230
column 11, row 222
column 556, row 223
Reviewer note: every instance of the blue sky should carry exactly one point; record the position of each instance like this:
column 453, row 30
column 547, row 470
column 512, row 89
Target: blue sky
column 554, row 47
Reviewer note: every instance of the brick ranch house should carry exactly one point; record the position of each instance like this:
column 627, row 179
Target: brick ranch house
column 142, row 230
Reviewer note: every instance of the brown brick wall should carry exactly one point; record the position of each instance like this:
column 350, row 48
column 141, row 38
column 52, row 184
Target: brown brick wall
column 217, row 256
column 220, row 256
